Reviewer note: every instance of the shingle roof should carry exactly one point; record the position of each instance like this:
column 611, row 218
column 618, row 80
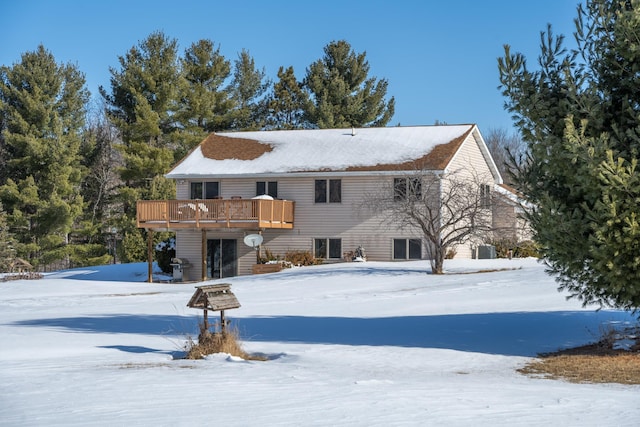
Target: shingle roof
column 327, row 150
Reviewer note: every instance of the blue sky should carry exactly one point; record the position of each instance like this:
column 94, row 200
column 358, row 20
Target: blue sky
column 440, row 57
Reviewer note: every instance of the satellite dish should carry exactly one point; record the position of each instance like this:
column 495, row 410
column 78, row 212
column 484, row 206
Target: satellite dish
column 253, row 240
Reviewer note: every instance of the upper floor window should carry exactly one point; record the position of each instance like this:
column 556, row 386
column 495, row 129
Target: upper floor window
column 407, row 188
column 485, row 196
column 205, row 190
column 269, row 188
column 330, row 190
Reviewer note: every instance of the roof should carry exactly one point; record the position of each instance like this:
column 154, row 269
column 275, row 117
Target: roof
column 511, row 195
column 323, row 150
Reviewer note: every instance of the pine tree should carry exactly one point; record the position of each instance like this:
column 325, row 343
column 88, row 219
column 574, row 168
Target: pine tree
column 142, row 105
column 7, row 243
column 42, row 105
column 579, row 115
column 287, row 103
column 205, row 104
column 341, row 92
column 248, row 88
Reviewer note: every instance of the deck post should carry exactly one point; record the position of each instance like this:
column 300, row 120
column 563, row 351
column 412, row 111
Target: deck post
column 150, row 255
column 203, row 255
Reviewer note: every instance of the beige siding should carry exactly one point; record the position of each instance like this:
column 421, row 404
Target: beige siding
column 509, row 221
column 347, row 220
column 188, row 249
column 469, row 163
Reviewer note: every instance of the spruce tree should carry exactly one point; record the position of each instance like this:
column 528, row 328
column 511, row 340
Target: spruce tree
column 286, row 104
column 205, row 104
column 579, row 115
column 142, row 105
column 7, row 243
column 42, row 105
column 341, row 92
column 248, row 90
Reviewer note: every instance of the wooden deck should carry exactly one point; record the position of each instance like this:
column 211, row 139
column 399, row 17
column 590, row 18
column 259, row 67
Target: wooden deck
column 216, row 213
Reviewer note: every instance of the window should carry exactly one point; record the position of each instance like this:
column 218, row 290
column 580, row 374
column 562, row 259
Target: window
column 407, row 249
column 330, row 190
column 485, row 196
column 267, row 187
column 404, row 188
column 334, row 247
column 205, row 190
column 321, row 191
column 335, row 191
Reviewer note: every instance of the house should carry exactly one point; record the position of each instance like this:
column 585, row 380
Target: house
column 303, row 190
column 509, row 214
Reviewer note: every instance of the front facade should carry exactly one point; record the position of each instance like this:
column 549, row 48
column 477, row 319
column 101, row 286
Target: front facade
column 305, row 190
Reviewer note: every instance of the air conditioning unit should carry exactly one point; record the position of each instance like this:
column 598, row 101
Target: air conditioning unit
column 486, row 252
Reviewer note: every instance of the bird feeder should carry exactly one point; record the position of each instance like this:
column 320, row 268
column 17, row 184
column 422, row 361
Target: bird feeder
column 214, row 298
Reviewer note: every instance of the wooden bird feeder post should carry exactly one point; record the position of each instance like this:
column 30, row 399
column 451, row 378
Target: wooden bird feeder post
column 215, row 298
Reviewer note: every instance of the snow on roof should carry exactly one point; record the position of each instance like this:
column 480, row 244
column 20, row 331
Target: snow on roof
column 512, row 195
column 265, row 152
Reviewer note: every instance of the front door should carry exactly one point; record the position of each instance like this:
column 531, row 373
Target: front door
column 222, row 258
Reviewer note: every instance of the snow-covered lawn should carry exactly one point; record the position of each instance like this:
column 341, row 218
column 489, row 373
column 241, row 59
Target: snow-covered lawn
column 354, row 344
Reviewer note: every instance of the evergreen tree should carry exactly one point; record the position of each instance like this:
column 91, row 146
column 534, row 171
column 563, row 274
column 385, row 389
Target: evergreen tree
column 7, row 243
column 42, row 105
column 287, row 103
column 579, row 115
column 204, row 104
column 342, row 94
column 248, row 88
column 142, row 105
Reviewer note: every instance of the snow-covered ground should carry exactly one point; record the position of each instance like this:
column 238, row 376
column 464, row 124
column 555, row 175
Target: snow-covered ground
column 354, row 344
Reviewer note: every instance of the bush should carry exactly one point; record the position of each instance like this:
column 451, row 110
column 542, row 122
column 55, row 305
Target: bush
column 268, row 256
column 217, row 342
column 302, row 258
column 527, row 248
column 523, row 249
column 165, row 251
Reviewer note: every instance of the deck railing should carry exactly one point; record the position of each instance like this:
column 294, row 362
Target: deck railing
column 215, row 213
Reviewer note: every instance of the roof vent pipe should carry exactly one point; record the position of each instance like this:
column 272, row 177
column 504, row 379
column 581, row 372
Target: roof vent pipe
column 353, row 131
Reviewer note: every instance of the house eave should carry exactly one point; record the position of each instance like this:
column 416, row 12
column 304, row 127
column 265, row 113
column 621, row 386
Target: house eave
column 342, row 173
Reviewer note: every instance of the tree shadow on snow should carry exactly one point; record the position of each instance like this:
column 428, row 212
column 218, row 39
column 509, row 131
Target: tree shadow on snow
column 512, row 334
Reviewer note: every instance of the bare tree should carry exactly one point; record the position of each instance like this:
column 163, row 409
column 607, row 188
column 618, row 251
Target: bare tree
column 102, row 161
column 508, row 151
column 448, row 209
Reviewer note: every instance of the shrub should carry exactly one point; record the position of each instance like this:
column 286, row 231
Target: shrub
column 523, row 249
column 302, row 258
column 527, row 248
column 165, row 251
column 269, row 256
column 217, row 342
column 503, row 246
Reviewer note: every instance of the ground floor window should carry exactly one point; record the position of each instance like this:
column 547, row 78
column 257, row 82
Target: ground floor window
column 327, row 248
column 407, row 249
column 222, row 258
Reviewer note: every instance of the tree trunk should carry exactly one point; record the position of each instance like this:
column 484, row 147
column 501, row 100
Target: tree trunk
column 437, row 262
